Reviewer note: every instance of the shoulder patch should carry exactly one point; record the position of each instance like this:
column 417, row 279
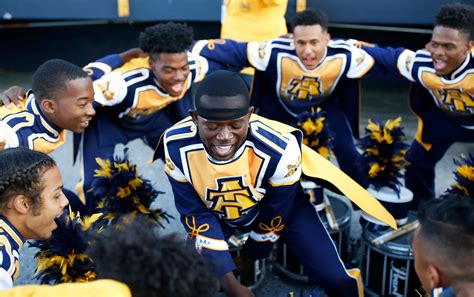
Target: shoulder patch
column 182, row 130
column 268, row 136
column 340, row 44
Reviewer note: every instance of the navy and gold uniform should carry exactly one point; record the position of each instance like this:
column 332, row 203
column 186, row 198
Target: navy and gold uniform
column 283, row 88
column 256, row 191
column 444, row 107
column 103, row 287
column 442, row 292
column 10, row 243
column 26, row 126
column 130, row 104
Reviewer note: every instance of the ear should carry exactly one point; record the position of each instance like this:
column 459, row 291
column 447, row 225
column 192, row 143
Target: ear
column 328, row 37
column 251, row 110
column 193, row 115
column 151, row 61
column 20, row 203
column 48, row 106
column 434, row 276
column 470, row 45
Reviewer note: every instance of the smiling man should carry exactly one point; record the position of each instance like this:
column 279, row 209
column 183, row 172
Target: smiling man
column 442, row 95
column 232, row 170
column 61, row 99
column 31, row 198
column 142, row 97
column 306, row 71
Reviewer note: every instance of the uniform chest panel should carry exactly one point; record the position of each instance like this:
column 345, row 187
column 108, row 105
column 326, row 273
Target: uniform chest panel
column 148, row 100
column 227, row 189
column 297, row 84
column 456, row 98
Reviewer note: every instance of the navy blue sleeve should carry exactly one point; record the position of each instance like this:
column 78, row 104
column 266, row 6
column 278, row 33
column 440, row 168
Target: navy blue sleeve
column 271, row 221
column 202, row 227
column 223, row 51
column 103, row 66
column 386, row 61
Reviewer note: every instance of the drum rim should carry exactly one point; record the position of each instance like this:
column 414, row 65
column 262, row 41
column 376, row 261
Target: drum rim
column 395, row 250
column 344, row 221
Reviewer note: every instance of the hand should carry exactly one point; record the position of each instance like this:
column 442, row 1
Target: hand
column 245, row 265
column 132, row 54
column 12, row 95
column 232, row 288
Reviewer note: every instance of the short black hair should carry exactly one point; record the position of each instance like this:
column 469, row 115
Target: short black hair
column 447, row 228
column 457, row 16
column 166, row 38
column 151, row 265
column 20, row 174
column 222, row 95
column 51, row 77
column 311, row 17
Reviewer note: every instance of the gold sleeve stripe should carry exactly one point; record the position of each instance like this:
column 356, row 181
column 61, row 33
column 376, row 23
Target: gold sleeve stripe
column 101, row 66
column 11, row 232
column 287, row 183
column 171, row 175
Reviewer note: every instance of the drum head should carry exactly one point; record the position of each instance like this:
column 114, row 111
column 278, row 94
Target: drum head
column 400, row 246
column 341, row 208
column 388, row 269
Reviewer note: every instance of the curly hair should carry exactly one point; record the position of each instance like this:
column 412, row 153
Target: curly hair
column 51, row 77
column 151, row 265
column 447, row 228
column 310, row 17
column 166, row 38
column 457, row 16
column 21, row 174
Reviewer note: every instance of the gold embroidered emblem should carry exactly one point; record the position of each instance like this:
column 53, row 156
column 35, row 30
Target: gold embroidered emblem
column 211, row 44
column 195, row 230
column 104, row 88
column 304, row 88
column 88, row 71
column 276, row 225
column 456, row 101
column 261, row 50
column 360, row 59
column 231, row 198
column 293, row 168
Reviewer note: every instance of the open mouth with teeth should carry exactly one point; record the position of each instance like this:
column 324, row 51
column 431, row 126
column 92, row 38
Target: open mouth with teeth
column 84, row 124
column 222, row 151
column 439, row 64
column 176, row 88
column 309, row 62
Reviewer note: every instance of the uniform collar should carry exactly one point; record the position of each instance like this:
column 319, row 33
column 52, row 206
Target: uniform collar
column 460, row 70
column 12, row 231
column 32, row 106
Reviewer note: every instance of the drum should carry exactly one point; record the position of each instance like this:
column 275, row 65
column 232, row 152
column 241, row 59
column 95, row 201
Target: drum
column 288, row 264
column 257, row 271
column 388, row 269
